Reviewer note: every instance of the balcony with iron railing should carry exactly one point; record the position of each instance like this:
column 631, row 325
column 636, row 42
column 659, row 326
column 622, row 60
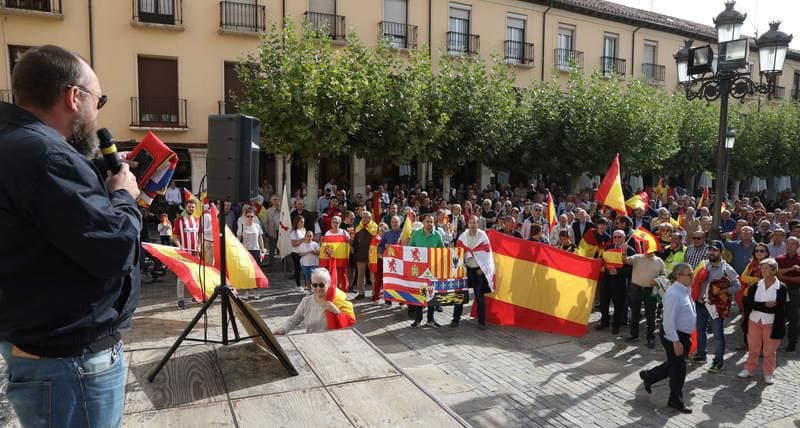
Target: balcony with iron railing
column 653, row 73
column 242, row 17
column 612, row 65
column 399, row 36
column 516, row 52
column 158, row 113
column 565, row 58
column 462, row 43
column 778, row 92
column 167, row 13
column 332, row 25
column 46, row 7
column 6, row 96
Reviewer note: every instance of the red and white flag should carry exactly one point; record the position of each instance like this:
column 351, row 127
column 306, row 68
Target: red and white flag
column 285, row 226
column 482, row 252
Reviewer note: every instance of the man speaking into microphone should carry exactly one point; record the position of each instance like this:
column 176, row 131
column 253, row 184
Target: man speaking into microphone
column 69, row 275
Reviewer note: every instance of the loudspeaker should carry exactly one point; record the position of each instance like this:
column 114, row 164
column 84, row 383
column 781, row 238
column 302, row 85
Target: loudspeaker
column 232, row 161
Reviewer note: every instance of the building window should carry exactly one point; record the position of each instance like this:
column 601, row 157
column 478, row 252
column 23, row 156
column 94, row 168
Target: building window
column 322, row 15
column 158, row 11
column 234, row 90
column 515, row 38
column 564, row 47
column 395, row 23
column 796, row 86
column 458, row 40
column 14, row 55
column 609, row 59
column 158, row 104
column 652, row 71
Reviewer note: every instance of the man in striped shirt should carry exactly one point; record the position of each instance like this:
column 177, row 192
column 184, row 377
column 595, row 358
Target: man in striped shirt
column 187, row 236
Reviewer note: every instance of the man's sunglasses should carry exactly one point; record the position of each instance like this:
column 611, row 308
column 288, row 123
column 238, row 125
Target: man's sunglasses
column 101, row 99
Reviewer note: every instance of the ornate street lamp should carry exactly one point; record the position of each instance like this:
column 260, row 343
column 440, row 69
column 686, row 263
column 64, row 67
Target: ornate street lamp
column 704, row 75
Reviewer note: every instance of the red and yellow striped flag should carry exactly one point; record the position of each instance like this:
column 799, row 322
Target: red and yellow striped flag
column 340, row 250
column 198, row 278
column 613, row 258
column 552, row 219
column 373, row 253
column 540, row 287
column 347, row 315
column 610, row 191
column 646, row 241
column 243, row 270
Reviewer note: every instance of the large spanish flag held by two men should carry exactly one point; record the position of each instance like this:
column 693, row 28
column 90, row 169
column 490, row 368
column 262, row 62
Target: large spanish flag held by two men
column 540, row 287
column 610, row 191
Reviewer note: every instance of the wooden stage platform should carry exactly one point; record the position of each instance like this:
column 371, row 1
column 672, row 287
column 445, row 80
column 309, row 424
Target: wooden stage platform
column 343, row 381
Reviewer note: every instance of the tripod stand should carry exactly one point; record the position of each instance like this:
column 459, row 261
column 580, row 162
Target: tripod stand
column 228, row 298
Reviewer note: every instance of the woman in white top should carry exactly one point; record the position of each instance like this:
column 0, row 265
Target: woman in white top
column 309, row 256
column 296, row 236
column 764, row 320
column 311, row 310
column 252, row 237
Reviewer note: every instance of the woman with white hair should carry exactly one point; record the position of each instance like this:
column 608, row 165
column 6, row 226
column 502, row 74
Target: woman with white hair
column 764, row 320
column 311, row 310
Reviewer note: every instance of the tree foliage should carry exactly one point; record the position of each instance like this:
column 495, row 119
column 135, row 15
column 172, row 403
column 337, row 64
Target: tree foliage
column 767, row 141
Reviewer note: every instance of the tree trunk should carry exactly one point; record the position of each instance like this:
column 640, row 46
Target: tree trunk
column 422, row 173
column 359, row 176
column 690, row 180
column 312, row 167
column 281, row 167
column 734, row 195
column 575, row 184
column 446, row 176
column 486, row 177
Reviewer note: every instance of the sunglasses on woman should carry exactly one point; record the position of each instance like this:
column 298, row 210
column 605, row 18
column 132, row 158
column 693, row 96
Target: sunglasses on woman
column 317, row 285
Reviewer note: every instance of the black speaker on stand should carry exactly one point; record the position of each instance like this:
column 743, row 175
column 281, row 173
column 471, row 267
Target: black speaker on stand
column 232, row 175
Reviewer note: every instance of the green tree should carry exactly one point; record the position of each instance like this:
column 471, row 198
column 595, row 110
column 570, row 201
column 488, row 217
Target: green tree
column 767, row 141
column 698, row 125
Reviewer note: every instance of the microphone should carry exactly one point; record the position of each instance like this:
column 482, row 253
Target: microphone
column 109, row 150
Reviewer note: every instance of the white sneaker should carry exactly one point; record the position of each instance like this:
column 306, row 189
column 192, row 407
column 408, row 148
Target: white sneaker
column 769, row 380
column 744, row 374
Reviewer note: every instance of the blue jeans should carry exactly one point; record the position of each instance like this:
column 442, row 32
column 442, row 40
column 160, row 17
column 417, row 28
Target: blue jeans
column 703, row 320
column 85, row 391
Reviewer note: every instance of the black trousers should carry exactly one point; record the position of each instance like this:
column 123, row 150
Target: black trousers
column 639, row 295
column 477, row 283
column 674, row 368
column 793, row 315
column 298, row 271
column 613, row 289
column 418, row 312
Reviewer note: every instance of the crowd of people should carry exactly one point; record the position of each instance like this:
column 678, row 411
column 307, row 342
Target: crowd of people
column 754, row 265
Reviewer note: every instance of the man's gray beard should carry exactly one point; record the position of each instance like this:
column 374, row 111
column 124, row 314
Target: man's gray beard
column 84, row 138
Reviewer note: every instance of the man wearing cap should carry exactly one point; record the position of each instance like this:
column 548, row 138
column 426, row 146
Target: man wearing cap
column 646, row 267
column 713, row 303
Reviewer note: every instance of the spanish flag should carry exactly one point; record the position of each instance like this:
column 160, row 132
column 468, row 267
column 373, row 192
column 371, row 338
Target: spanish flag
column 700, row 276
column 703, row 198
column 408, row 228
column 540, row 287
column 198, row 278
column 610, row 191
column 646, row 241
column 612, row 258
column 340, row 250
column 373, row 253
column 639, row 200
column 661, row 189
column 243, row 270
column 589, row 247
column 347, row 315
column 680, row 219
column 552, row 219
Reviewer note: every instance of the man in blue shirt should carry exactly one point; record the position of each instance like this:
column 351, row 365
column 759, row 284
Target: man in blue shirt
column 676, row 337
column 742, row 249
column 727, row 224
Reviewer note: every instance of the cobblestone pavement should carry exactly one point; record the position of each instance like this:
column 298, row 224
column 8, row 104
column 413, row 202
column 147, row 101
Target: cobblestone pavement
column 512, row 377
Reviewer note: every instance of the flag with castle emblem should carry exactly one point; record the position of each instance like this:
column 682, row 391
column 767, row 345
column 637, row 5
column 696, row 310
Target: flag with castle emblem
column 415, row 275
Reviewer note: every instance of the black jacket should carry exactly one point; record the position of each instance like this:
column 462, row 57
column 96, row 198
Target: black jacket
column 69, row 252
column 750, row 304
column 576, row 230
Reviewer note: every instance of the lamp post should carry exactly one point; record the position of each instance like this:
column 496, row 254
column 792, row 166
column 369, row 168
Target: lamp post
column 707, row 77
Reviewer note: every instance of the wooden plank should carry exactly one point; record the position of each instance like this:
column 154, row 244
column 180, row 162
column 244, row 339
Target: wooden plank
column 389, row 402
column 191, row 376
column 208, row 415
column 249, row 370
column 303, row 408
column 341, row 356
